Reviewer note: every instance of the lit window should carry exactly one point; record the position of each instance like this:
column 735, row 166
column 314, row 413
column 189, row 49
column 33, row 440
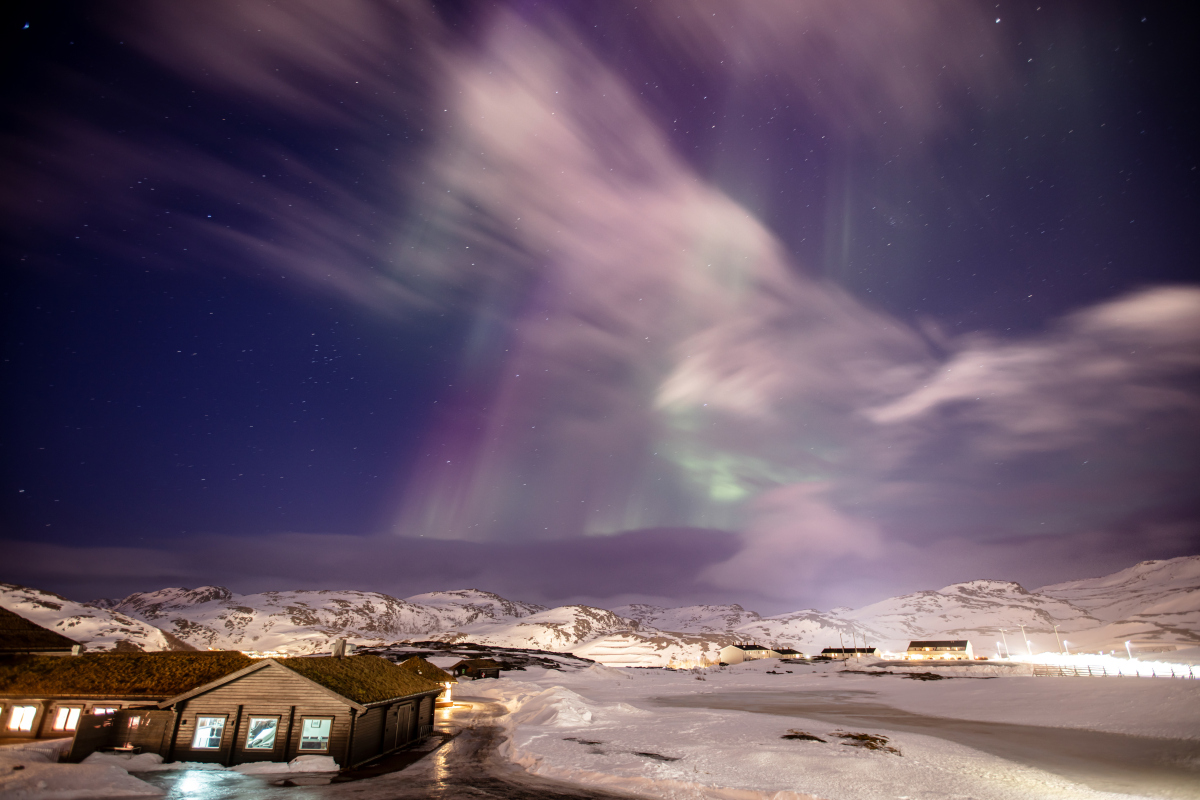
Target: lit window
column 21, row 718
column 314, row 734
column 105, row 710
column 66, row 719
column 208, row 733
column 133, row 722
column 261, row 733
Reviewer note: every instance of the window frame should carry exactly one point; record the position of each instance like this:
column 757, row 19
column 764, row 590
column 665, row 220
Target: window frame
column 16, row 726
column 274, row 718
column 300, row 748
column 63, row 718
column 220, row 738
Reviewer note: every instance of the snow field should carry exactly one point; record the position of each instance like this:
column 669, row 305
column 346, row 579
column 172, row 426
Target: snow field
column 601, row 727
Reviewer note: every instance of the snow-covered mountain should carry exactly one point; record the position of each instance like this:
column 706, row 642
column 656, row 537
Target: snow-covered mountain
column 307, row 622
column 296, row 621
column 1153, row 603
column 975, row 610
column 695, row 619
column 97, row 628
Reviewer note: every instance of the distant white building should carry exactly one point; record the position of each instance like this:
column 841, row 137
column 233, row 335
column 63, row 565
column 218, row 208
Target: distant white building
column 940, row 650
column 737, row 653
column 849, row 652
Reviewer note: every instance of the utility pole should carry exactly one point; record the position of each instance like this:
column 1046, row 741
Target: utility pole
column 1057, row 637
column 1028, row 646
column 1007, row 652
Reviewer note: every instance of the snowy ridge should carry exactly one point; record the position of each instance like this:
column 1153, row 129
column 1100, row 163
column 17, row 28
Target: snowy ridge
column 296, row 622
column 1148, row 588
column 1151, row 603
column 97, row 628
column 696, row 619
column 1154, row 604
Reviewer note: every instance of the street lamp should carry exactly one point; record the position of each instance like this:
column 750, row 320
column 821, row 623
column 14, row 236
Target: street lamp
column 1007, row 652
column 1130, row 652
column 1068, row 645
column 1059, row 640
column 1028, row 646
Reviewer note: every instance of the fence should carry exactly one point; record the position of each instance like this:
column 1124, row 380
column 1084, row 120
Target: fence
column 1177, row 671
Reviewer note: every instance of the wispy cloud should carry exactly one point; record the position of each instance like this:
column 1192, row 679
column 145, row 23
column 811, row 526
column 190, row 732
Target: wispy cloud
column 643, row 351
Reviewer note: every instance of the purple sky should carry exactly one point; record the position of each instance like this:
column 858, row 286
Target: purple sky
column 785, row 303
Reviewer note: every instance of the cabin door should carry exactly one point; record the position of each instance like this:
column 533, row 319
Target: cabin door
column 390, row 729
column 404, row 724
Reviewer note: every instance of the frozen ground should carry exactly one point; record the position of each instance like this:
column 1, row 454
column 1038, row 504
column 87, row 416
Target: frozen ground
column 667, row 734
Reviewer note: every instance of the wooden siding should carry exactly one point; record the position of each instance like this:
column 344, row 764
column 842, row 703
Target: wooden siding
column 368, row 731
column 271, row 691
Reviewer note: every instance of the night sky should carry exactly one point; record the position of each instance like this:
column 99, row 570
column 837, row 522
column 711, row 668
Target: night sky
column 787, row 302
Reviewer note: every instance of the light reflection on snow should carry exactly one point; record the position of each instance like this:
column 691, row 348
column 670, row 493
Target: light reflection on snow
column 1112, row 665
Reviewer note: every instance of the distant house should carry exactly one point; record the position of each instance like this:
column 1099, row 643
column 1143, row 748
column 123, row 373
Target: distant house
column 787, row 652
column 45, row 697
column 19, row 636
column 477, row 668
column 737, row 653
column 434, row 673
column 940, row 650
column 849, row 652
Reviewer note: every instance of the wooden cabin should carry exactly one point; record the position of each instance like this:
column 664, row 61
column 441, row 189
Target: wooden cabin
column 221, row 707
column 354, row 709
column 19, row 636
column 477, row 668
column 434, row 673
column 940, row 650
column 849, row 652
column 47, row 697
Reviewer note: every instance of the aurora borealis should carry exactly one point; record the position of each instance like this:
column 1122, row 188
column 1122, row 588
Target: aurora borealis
column 779, row 303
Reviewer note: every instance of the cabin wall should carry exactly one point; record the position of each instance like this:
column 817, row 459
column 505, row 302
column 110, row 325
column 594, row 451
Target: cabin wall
column 368, row 733
column 268, row 692
column 47, row 711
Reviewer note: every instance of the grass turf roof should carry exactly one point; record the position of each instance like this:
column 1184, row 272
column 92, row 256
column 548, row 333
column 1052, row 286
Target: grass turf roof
column 479, row 663
column 428, row 670
column 141, row 675
column 364, row 679
column 19, row 635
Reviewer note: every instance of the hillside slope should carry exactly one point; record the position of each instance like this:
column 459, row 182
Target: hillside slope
column 96, row 628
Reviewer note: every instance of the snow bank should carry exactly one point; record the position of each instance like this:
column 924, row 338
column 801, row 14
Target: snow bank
column 45, row 751
column 145, row 762
column 153, row 762
column 30, row 772
column 297, row 764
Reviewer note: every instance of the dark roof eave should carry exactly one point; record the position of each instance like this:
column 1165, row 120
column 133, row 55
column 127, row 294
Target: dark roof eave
column 142, row 698
column 375, row 703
